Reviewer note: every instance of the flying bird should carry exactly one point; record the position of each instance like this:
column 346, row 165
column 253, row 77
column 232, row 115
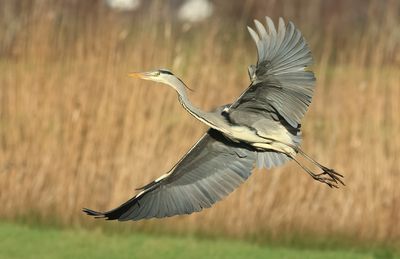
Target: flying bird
column 261, row 128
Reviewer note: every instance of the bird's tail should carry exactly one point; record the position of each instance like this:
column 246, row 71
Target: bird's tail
column 272, row 158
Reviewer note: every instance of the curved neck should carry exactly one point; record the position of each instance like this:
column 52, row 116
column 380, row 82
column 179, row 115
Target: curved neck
column 211, row 119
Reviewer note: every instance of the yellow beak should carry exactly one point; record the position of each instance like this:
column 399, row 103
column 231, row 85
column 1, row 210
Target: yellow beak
column 137, row 75
column 145, row 75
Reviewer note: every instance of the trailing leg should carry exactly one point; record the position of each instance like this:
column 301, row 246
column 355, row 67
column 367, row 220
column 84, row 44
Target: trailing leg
column 328, row 176
column 325, row 171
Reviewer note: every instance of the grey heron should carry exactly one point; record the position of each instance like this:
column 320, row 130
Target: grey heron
column 262, row 128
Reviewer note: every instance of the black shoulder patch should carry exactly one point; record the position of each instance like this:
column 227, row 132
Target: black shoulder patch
column 165, row 71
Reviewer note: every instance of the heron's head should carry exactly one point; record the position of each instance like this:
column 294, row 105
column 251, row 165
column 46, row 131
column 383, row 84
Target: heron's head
column 162, row 76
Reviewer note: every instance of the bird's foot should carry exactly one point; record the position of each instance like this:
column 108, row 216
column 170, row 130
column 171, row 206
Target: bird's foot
column 329, row 177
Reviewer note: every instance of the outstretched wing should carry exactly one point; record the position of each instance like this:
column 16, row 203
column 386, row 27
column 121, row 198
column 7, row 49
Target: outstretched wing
column 281, row 87
column 212, row 169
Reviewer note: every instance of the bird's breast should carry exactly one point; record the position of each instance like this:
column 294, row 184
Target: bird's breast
column 277, row 139
column 246, row 134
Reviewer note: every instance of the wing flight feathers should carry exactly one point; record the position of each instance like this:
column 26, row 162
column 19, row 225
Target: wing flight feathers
column 211, row 170
column 280, row 82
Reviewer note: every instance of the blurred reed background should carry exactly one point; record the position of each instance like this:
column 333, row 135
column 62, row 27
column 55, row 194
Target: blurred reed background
column 76, row 132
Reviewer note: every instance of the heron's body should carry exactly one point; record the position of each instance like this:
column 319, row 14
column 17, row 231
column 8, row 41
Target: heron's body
column 262, row 128
column 264, row 133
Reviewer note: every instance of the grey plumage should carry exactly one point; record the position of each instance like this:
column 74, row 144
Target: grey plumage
column 262, row 128
column 280, row 84
column 212, row 169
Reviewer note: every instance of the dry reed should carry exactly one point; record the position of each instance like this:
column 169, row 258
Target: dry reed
column 76, row 132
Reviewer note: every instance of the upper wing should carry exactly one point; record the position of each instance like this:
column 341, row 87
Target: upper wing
column 281, row 87
column 212, row 169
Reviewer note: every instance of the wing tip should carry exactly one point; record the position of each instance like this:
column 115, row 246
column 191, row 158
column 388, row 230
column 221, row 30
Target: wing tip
column 270, row 25
column 93, row 213
column 257, row 22
column 250, row 30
